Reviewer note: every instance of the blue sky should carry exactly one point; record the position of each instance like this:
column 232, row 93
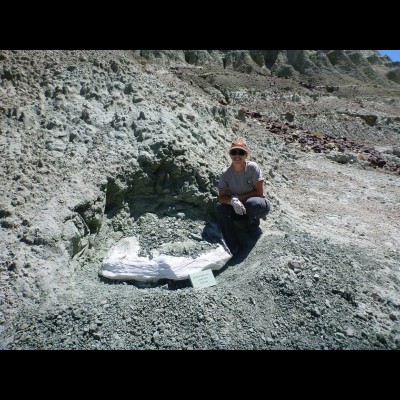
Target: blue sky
column 393, row 54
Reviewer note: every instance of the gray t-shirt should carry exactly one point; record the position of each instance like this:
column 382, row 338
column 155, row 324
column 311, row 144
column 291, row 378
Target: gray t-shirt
column 240, row 182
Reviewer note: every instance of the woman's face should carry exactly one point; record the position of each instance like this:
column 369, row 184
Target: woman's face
column 238, row 156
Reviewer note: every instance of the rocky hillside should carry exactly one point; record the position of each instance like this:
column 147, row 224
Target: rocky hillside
column 322, row 66
column 100, row 145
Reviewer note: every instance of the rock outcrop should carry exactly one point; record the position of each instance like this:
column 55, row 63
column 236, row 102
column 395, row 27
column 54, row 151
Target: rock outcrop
column 322, row 66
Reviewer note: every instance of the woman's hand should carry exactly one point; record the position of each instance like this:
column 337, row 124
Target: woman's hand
column 238, row 206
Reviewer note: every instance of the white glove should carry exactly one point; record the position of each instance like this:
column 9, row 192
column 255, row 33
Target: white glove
column 238, row 206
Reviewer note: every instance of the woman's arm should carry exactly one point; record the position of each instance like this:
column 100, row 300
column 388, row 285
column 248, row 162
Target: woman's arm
column 257, row 192
column 224, row 196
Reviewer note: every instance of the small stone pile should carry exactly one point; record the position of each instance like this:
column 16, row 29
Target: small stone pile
column 319, row 143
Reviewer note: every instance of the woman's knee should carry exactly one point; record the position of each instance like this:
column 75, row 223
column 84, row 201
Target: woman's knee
column 257, row 207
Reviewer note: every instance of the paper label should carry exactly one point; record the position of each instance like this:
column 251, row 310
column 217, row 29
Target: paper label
column 202, row 279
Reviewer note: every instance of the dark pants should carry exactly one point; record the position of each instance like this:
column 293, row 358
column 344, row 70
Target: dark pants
column 229, row 221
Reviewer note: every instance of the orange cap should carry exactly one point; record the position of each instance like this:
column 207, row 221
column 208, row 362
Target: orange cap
column 239, row 144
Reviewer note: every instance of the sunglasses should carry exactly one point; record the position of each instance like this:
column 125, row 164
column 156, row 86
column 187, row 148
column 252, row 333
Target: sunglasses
column 236, row 152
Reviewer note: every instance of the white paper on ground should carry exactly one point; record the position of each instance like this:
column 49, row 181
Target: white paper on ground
column 202, row 279
column 123, row 263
